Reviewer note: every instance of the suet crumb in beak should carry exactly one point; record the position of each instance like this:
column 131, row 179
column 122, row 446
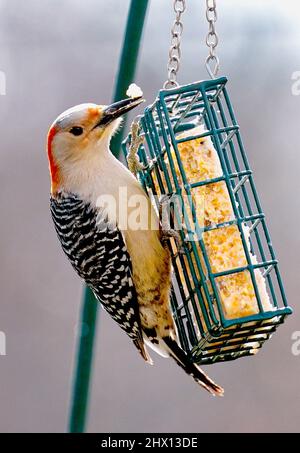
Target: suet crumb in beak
column 134, row 91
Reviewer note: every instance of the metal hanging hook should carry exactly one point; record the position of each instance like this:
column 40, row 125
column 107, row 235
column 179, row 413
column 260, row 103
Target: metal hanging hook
column 175, row 49
column 212, row 61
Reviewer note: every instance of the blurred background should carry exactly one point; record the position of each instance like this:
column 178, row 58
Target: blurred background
column 59, row 53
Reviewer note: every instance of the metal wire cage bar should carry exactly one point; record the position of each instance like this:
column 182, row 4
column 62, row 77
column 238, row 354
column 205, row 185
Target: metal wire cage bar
column 186, row 115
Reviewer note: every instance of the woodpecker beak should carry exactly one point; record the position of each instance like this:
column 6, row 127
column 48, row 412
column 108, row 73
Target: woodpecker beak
column 114, row 111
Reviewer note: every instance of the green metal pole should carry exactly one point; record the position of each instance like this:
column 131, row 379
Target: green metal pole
column 84, row 362
column 88, row 318
column 128, row 60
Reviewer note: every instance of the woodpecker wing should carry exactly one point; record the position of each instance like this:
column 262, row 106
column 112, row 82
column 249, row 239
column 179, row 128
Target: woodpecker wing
column 99, row 255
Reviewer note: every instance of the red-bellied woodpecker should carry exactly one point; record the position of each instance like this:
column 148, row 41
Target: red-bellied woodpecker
column 93, row 204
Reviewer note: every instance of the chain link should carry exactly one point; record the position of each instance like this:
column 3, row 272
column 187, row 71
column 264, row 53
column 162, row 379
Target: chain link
column 175, row 49
column 212, row 62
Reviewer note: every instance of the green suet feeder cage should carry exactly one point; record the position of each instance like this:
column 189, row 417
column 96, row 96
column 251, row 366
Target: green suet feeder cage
column 205, row 330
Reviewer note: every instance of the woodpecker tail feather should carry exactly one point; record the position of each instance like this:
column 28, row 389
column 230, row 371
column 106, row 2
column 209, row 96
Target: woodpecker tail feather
column 190, row 368
column 139, row 343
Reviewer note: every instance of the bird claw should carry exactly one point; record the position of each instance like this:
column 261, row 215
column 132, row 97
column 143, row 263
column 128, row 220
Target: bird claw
column 167, row 232
column 134, row 164
column 166, row 235
column 172, row 234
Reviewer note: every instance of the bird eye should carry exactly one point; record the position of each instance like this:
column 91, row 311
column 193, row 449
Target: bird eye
column 76, row 130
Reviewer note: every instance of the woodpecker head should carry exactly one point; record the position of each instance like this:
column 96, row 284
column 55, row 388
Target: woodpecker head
column 80, row 133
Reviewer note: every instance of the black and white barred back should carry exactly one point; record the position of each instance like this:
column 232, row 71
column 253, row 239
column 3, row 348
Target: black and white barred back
column 98, row 254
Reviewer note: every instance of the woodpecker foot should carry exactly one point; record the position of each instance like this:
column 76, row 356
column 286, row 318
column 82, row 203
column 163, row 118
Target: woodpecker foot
column 166, row 235
column 172, row 234
column 134, row 164
column 167, row 232
column 163, row 199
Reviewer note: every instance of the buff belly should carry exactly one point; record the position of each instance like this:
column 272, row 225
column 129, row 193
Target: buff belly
column 151, row 264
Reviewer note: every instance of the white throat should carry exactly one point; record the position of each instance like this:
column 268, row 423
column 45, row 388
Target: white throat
column 96, row 174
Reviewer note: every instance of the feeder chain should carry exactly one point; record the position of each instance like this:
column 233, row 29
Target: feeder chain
column 175, row 49
column 212, row 62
